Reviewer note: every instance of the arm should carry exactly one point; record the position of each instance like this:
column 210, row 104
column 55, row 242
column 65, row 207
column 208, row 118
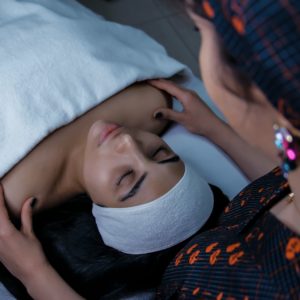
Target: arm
column 22, row 254
column 199, row 119
column 238, row 97
column 44, row 283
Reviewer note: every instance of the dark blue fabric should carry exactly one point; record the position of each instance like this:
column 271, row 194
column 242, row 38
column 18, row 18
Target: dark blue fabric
column 268, row 48
column 248, row 255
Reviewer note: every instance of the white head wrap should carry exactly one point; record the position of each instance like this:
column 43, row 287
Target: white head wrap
column 161, row 223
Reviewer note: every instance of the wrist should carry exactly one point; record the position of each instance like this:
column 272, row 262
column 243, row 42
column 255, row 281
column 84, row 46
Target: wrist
column 46, row 284
column 214, row 130
column 223, row 135
column 36, row 275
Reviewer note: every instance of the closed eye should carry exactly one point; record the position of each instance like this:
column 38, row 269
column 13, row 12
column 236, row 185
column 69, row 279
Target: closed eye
column 160, row 152
column 123, row 176
column 161, row 155
column 136, row 187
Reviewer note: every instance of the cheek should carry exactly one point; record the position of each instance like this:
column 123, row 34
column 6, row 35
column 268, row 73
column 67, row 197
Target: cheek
column 96, row 179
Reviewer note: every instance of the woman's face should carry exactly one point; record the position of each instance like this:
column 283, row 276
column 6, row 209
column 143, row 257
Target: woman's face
column 126, row 167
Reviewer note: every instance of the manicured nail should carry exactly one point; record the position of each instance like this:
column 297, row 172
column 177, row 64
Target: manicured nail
column 33, row 202
column 158, row 115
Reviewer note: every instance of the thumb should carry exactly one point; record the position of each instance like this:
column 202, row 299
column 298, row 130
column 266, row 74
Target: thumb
column 167, row 114
column 26, row 216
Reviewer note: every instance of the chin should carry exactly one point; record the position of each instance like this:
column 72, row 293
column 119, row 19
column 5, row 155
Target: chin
column 96, row 128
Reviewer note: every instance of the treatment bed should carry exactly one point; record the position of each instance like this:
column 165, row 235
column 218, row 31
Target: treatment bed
column 59, row 59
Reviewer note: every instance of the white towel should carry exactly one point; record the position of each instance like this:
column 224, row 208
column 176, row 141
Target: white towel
column 161, row 223
column 58, row 60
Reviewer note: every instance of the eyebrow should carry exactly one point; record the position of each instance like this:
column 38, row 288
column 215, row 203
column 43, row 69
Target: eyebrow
column 135, row 188
column 138, row 184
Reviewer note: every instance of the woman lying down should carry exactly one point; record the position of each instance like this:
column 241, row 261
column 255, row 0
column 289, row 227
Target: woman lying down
column 146, row 202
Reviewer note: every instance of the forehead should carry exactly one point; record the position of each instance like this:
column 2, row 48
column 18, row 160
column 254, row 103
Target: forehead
column 160, row 179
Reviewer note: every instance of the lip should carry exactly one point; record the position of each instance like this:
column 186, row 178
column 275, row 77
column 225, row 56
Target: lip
column 109, row 130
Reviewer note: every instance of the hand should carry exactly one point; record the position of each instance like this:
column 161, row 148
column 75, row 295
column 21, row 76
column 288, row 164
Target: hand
column 20, row 251
column 226, row 86
column 239, row 99
column 196, row 115
column 194, row 10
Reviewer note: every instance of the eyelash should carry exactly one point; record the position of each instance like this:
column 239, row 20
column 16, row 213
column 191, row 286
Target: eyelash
column 132, row 192
column 127, row 173
column 130, row 171
column 161, row 148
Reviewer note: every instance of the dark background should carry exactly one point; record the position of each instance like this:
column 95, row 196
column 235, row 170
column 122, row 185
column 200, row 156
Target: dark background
column 164, row 20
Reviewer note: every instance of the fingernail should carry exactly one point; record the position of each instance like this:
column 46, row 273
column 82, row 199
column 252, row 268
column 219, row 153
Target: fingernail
column 158, row 115
column 33, row 202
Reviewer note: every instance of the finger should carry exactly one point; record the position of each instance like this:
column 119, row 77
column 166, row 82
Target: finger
column 171, row 88
column 196, row 13
column 4, row 218
column 168, row 114
column 26, row 216
column 2, row 200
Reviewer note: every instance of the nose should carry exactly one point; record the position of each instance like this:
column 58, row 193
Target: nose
column 126, row 144
column 132, row 149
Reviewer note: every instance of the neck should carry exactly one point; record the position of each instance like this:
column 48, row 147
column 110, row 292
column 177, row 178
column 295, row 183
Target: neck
column 71, row 179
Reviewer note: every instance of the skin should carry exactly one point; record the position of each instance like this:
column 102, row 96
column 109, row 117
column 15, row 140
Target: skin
column 66, row 162
column 77, row 159
column 247, row 110
column 246, row 115
column 112, row 167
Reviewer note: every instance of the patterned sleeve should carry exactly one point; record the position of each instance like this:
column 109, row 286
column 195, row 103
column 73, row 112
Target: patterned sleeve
column 264, row 38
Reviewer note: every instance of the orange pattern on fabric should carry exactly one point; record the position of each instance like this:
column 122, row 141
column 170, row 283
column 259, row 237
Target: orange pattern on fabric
column 243, row 202
column 233, row 258
column 233, row 226
column 261, row 190
column 255, row 233
column 249, row 237
column 207, row 293
column 178, row 259
column 210, row 247
column 214, row 256
column 208, row 9
column 260, row 236
column 220, row 296
column 276, row 170
column 196, row 291
column 262, row 199
column 226, row 210
column 194, row 257
column 232, row 247
column 191, row 249
column 238, row 24
column 292, row 248
column 246, row 298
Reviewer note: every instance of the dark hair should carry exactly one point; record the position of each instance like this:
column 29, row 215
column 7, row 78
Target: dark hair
column 74, row 247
